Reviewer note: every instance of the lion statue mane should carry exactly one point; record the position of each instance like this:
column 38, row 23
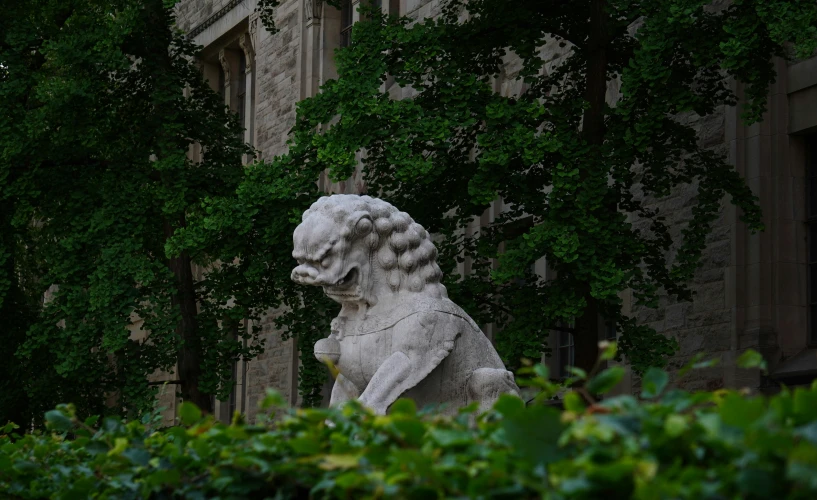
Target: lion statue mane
column 402, row 246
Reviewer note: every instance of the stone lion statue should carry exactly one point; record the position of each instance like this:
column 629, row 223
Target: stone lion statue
column 397, row 333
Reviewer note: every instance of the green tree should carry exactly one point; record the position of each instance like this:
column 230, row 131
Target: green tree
column 573, row 168
column 101, row 102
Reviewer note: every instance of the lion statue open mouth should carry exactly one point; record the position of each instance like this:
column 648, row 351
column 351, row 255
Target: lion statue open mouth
column 397, row 333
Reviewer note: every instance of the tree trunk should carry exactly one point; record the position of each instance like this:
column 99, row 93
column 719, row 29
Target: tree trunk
column 189, row 359
column 16, row 314
column 587, row 325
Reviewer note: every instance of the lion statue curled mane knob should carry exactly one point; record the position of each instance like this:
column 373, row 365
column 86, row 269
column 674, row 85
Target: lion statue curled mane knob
column 397, row 333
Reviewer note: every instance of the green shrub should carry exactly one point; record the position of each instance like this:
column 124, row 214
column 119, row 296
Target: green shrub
column 666, row 443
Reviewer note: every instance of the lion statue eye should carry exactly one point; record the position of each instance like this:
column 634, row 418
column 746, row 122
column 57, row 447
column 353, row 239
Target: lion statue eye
column 326, row 262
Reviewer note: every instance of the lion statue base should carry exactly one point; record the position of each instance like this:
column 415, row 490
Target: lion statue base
column 397, row 333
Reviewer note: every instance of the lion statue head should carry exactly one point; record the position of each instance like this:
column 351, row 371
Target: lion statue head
column 361, row 249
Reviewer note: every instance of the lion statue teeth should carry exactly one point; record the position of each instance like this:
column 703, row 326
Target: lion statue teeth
column 397, row 333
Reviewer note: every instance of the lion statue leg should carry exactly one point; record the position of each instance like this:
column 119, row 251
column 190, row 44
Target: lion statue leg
column 342, row 391
column 486, row 384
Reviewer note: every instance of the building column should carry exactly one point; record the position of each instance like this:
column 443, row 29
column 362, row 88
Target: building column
column 225, row 67
column 355, row 13
column 310, row 55
column 765, row 285
column 249, row 56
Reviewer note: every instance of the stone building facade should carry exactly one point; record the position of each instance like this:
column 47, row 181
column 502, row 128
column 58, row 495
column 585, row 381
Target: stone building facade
column 752, row 291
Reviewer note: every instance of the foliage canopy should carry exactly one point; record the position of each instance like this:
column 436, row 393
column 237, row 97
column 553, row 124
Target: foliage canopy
column 101, row 103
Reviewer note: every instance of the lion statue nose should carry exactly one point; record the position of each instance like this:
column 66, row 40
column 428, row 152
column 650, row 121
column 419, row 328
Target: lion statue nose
column 304, row 274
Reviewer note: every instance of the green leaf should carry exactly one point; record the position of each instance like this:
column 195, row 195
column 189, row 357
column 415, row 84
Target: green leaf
column 189, row 413
column 350, row 479
column 57, row 421
column 808, row 431
column 675, row 425
column 97, row 447
column 403, row 406
column 412, row 431
column 305, row 445
column 137, row 456
column 272, row 399
column 573, row 402
column 605, row 380
column 164, row 478
column 448, row 438
column 752, row 359
column 757, row 483
column 541, row 371
column 608, row 350
column 577, row 372
column 25, row 466
column 741, row 412
column 696, row 365
column 533, row 434
column 332, row 462
column 653, row 383
column 120, row 445
column 805, row 404
column 509, row 405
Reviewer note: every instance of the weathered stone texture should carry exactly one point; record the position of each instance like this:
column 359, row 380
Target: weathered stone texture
column 277, row 80
column 271, row 369
column 275, row 73
column 191, row 13
column 705, row 324
column 397, row 334
column 423, row 9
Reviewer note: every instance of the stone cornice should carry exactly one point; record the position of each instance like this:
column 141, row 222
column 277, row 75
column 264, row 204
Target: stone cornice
column 213, row 18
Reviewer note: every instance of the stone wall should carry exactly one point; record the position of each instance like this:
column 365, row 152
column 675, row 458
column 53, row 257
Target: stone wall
column 421, row 9
column 276, row 92
column 703, row 325
column 275, row 368
column 192, row 13
column 277, row 80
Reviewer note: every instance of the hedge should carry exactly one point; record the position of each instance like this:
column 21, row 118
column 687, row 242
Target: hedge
column 663, row 443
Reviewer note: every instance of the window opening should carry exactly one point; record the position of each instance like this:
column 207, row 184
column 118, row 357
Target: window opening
column 811, row 171
column 232, row 403
column 567, row 351
column 609, row 331
column 242, row 89
column 221, row 82
column 346, row 23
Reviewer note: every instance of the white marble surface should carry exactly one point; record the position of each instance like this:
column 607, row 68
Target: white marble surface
column 397, row 333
